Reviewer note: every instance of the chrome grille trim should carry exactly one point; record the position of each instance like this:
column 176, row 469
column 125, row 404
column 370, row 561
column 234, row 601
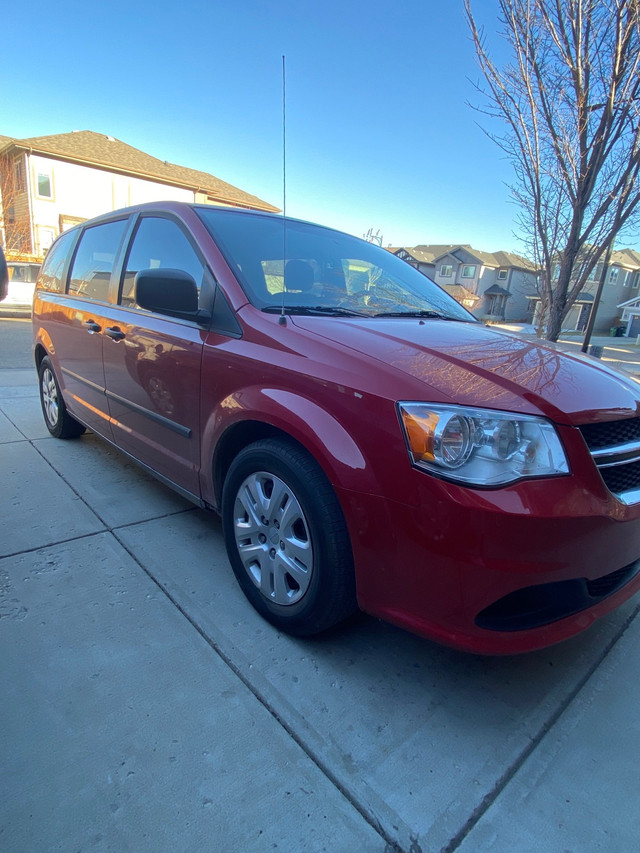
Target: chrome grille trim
column 617, row 461
column 629, row 498
column 617, row 455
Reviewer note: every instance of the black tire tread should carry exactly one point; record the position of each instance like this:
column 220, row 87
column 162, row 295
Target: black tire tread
column 338, row 577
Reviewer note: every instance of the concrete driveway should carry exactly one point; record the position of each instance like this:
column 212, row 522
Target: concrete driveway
column 146, row 706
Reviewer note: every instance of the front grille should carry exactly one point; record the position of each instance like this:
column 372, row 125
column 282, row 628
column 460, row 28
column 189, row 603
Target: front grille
column 615, row 447
column 622, row 478
column 611, row 433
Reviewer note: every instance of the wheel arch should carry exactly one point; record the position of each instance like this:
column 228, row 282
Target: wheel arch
column 39, row 352
column 272, row 413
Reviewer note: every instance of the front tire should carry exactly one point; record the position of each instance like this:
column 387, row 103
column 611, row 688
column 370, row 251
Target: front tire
column 58, row 420
column 287, row 539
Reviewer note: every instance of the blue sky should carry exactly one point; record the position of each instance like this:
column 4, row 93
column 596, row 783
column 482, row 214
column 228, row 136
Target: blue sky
column 379, row 133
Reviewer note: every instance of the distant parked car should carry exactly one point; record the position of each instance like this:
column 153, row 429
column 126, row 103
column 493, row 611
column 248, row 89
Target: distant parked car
column 365, row 440
column 22, row 282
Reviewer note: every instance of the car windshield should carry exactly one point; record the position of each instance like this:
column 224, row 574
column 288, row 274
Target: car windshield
column 325, row 273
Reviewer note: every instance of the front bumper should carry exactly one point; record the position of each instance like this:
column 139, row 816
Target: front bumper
column 496, row 572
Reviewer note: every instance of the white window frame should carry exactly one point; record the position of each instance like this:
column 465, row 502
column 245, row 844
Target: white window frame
column 612, row 278
column 502, row 275
column 44, row 173
column 464, row 274
column 45, row 236
column 443, row 270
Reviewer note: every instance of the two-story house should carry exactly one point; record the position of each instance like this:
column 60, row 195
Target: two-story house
column 492, row 285
column 49, row 183
column 620, row 289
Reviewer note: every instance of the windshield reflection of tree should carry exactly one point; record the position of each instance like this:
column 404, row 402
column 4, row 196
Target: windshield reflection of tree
column 375, row 290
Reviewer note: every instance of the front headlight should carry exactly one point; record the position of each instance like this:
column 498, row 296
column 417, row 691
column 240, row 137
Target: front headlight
column 481, row 447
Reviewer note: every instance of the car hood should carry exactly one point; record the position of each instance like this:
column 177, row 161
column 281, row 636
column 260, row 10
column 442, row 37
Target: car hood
column 473, row 364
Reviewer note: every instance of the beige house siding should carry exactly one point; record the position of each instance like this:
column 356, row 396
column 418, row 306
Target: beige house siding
column 82, row 192
column 75, row 176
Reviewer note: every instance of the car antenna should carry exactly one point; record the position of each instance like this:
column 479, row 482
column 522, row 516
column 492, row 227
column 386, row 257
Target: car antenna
column 283, row 317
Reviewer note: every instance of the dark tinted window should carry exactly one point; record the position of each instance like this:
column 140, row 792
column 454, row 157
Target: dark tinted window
column 50, row 277
column 296, row 265
column 159, row 244
column 94, row 260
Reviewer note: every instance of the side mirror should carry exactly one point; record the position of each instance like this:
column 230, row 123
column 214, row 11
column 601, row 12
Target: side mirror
column 4, row 276
column 168, row 291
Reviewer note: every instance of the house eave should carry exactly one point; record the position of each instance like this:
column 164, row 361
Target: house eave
column 211, row 192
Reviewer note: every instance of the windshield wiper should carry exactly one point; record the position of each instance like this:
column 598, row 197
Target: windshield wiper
column 430, row 315
column 317, row 311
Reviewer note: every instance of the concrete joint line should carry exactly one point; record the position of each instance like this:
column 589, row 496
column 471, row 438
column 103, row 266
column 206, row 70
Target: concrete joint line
column 544, row 730
column 301, row 733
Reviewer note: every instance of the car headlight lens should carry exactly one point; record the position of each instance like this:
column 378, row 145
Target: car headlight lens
column 481, row 447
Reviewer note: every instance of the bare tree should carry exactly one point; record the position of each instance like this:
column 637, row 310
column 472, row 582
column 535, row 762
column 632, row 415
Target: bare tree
column 570, row 100
column 376, row 238
column 14, row 208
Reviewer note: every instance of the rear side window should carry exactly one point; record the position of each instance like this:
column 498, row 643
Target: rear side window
column 50, row 277
column 159, row 244
column 94, row 260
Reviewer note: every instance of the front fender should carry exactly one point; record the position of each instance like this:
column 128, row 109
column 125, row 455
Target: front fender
column 312, row 426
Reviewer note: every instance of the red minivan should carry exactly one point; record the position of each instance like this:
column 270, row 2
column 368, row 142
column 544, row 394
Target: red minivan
column 365, row 440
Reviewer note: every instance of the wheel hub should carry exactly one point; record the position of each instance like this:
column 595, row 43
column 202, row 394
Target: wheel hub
column 273, row 539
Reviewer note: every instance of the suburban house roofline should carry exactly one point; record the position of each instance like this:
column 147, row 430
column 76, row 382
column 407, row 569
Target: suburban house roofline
column 87, row 148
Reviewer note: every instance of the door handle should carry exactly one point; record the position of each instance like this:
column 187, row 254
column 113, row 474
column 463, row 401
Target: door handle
column 92, row 326
column 114, row 333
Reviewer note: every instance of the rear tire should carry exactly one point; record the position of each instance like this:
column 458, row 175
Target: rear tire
column 58, row 420
column 287, row 539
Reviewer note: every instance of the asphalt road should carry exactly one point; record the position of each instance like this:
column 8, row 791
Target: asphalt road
column 15, row 343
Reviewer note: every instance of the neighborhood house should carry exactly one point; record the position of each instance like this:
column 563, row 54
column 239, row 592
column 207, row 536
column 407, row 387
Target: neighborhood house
column 50, row 183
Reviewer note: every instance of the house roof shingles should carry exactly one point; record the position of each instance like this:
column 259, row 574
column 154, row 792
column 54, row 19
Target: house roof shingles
column 430, row 253
column 96, row 149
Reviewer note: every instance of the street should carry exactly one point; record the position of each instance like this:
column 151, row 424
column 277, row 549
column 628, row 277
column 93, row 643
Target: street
column 147, row 707
column 15, row 343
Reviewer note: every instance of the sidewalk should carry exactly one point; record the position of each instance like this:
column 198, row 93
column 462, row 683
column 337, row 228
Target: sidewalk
column 147, row 708
column 620, row 353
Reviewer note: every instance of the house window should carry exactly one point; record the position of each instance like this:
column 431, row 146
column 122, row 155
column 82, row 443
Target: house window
column 46, row 236
column 613, row 275
column 626, row 278
column 502, row 274
column 636, row 279
column 44, row 185
column 446, row 270
column 468, row 271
